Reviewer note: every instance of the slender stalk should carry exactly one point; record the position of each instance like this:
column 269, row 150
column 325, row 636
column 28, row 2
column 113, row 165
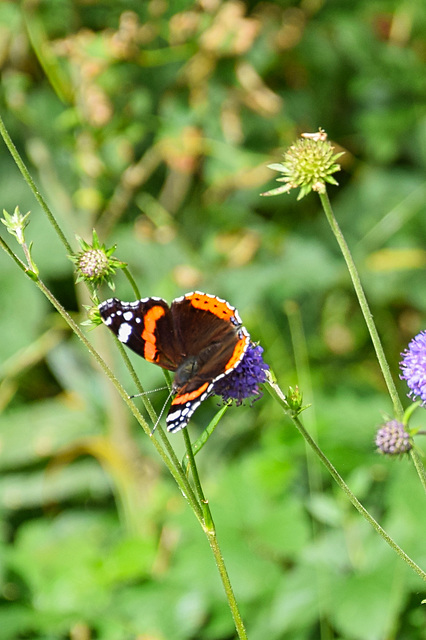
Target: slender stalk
column 176, row 471
column 28, row 179
column 398, row 408
column 174, row 467
column 419, row 466
column 399, row 412
column 132, row 282
column 274, row 389
column 204, row 437
column 210, row 530
column 202, row 512
column 201, row 509
column 239, row 624
column 208, row 520
column 301, row 359
column 12, row 255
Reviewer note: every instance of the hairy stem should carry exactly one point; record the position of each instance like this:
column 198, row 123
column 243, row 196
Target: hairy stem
column 173, row 466
column 214, row 545
column 397, row 405
column 356, row 281
column 210, row 530
column 278, row 394
column 30, row 182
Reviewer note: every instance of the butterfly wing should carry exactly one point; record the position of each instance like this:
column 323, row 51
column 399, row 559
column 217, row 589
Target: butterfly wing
column 211, row 336
column 214, row 342
column 146, row 327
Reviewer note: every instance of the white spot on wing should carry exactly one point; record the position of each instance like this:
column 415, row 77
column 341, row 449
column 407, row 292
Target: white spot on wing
column 173, row 416
column 124, row 332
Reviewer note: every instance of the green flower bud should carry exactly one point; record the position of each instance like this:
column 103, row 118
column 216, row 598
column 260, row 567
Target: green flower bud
column 308, row 164
column 95, row 264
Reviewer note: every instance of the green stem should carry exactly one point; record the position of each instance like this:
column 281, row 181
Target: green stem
column 397, row 405
column 141, row 391
column 419, row 467
column 208, row 520
column 210, row 530
column 202, row 512
column 132, row 282
column 398, row 409
column 14, row 257
column 168, row 458
column 274, row 389
column 239, row 624
column 204, row 437
column 167, row 454
column 175, row 468
column 30, row 182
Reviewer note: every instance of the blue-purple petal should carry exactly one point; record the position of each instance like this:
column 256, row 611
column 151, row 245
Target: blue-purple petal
column 413, row 367
column 243, row 382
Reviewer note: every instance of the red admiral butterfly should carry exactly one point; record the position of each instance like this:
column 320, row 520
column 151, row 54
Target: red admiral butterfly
column 199, row 336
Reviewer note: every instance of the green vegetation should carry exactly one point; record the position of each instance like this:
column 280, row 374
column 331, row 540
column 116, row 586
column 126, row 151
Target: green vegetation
column 154, row 123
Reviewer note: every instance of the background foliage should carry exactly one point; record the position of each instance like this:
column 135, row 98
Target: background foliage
column 154, row 122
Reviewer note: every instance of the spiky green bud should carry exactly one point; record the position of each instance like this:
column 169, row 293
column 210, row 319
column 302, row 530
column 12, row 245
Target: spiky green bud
column 95, row 264
column 308, row 164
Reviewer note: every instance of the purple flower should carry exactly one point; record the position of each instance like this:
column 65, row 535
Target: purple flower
column 244, row 380
column 413, row 367
column 393, row 439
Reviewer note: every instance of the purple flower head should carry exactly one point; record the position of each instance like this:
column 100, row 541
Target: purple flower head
column 413, row 367
column 392, row 438
column 244, row 380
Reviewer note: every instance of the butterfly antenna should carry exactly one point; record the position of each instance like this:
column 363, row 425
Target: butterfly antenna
column 145, row 393
column 160, row 414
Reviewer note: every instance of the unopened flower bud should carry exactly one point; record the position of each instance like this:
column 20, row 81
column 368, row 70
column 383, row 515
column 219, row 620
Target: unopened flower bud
column 392, row 438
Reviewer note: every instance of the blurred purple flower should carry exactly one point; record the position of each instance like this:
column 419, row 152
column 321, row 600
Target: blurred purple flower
column 413, row 367
column 244, row 380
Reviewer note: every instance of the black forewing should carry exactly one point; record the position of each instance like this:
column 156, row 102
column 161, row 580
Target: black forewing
column 146, row 327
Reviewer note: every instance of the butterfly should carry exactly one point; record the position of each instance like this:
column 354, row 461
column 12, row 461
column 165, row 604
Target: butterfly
column 199, row 336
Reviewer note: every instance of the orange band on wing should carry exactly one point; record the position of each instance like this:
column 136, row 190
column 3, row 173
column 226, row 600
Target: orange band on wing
column 148, row 334
column 218, row 307
column 239, row 351
column 187, row 397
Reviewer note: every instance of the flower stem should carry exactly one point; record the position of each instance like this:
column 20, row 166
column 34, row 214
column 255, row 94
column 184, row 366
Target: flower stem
column 168, row 458
column 274, row 389
column 397, row 405
column 30, row 182
column 191, row 458
column 210, row 530
column 199, row 506
column 132, row 282
column 398, row 409
column 239, row 624
column 419, row 467
column 202, row 512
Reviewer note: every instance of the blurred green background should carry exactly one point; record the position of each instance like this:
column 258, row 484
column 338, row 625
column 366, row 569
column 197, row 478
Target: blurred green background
column 155, row 122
